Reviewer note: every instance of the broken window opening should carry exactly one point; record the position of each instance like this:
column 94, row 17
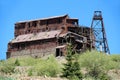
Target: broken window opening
column 10, row 46
column 34, row 23
column 59, row 20
column 47, row 29
column 22, row 46
column 79, row 46
column 75, row 23
column 43, row 22
column 58, row 52
column 62, row 41
column 22, row 26
column 8, row 55
column 29, row 25
column 18, row 46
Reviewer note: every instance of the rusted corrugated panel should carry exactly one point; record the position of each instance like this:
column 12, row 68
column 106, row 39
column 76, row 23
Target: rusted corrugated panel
column 37, row 36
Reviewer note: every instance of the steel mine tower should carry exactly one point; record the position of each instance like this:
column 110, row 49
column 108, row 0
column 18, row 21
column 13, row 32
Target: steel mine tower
column 97, row 28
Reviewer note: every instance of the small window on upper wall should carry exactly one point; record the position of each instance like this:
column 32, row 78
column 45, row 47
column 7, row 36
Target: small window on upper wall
column 22, row 25
column 43, row 22
column 34, row 23
column 47, row 22
column 16, row 26
column 59, row 20
column 29, row 25
column 75, row 23
column 11, row 46
column 18, row 46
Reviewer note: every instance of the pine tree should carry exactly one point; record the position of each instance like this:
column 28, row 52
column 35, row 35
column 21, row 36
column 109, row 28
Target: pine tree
column 71, row 69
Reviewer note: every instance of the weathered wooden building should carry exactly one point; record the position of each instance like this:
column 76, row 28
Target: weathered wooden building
column 41, row 37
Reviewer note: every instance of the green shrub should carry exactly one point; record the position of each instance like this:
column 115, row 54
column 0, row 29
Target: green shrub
column 97, row 73
column 88, row 59
column 30, row 72
column 96, row 64
column 115, row 62
column 106, row 62
column 5, row 78
column 27, row 61
column 115, row 58
column 17, row 63
column 1, row 60
column 46, row 67
column 7, row 68
column 104, row 76
column 47, row 71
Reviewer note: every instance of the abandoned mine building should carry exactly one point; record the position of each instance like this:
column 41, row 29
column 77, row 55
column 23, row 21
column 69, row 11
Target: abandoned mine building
column 41, row 37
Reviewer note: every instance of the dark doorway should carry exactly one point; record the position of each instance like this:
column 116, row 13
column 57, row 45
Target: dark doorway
column 8, row 55
column 58, row 52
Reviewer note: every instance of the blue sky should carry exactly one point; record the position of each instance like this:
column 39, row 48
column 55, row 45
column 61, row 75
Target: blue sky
column 12, row 11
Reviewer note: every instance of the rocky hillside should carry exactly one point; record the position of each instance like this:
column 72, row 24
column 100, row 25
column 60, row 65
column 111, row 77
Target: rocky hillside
column 50, row 68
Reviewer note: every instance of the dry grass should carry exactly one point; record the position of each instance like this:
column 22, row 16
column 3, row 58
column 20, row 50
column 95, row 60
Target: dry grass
column 110, row 63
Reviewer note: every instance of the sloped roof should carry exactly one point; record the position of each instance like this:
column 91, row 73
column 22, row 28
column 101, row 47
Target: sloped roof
column 43, row 18
column 62, row 35
column 37, row 36
column 82, row 40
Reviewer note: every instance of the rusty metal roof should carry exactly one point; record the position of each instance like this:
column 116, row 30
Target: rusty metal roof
column 43, row 18
column 37, row 36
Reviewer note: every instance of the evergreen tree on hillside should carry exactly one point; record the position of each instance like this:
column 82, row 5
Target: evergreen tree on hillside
column 71, row 69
